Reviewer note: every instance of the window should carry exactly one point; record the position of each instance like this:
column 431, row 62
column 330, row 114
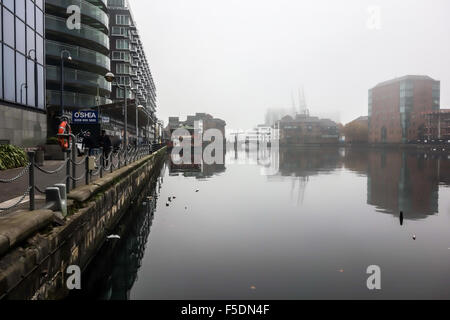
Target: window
column 40, row 86
column 121, row 56
column 123, row 81
column 30, row 81
column 40, row 22
column 20, row 9
column 123, row 68
column 30, row 13
column 8, row 64
column 8, row 21
column 30, row 39
column 20, row 79
column 20, row 36
column 40, row 48
column 122, row 44
column 123, row 20
column 9, row 4
column 119, row 31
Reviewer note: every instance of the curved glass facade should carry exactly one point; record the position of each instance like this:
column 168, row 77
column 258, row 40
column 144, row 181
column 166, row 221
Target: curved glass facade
column 58, row 25
column 87, row 9
column 89, row 50
column 78, row 100
column 79, row 54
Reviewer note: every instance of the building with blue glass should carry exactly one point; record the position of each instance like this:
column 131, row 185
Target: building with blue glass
column 22, row 67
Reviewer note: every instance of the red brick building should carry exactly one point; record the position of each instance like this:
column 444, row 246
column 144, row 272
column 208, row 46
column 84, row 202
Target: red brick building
column 396, row 108
column 437, row 125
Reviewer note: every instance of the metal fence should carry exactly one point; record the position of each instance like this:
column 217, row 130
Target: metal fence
column 103, row 163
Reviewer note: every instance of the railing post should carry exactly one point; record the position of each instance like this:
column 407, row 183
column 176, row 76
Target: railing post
column 102, row 160
column 31, row 185
column 86, row 166
column 74, row 160
column 111, row 160
column 67, row 157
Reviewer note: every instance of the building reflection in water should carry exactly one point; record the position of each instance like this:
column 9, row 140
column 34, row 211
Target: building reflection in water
column 197, row 167
column 397, row 180
column 105, row 280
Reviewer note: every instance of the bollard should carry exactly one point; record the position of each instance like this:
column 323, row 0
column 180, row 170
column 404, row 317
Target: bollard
column 31, row 185
column 62, row 205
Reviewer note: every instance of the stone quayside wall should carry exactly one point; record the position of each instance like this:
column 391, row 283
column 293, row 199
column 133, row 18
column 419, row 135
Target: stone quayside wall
column 35, row 252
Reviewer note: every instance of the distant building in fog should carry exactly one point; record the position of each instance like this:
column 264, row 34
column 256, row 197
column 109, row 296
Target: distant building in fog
column 304, row 129
column 206, row 122
column 396, row 108
column 357, row 131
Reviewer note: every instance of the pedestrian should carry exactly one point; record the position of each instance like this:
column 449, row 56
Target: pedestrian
column 88, row 143
column 105, row 143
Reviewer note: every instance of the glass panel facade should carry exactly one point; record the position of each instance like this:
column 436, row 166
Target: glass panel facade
column 17, row 72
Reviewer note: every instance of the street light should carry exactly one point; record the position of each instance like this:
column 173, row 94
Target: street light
column 69, row 57
column 110, row 77
column 35, row 75
column 21, row 91
column 137, row 122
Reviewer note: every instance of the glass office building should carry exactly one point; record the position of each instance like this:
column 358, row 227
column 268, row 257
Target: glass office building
column 22, row 81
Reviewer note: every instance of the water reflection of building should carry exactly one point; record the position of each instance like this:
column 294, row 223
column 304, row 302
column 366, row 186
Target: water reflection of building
column 114, row 270
column 307, row 162
column 197, row 167
column 404, row 181
column 397, row 180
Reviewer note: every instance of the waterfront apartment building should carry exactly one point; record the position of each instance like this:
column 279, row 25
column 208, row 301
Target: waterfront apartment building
column 396, row 108
column 88, row 47
column 129, row 62
column 22, row 82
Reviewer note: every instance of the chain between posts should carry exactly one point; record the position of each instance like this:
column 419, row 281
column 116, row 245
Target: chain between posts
column 114, row 161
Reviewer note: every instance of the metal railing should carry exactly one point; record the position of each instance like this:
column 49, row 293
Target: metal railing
column 105, row 162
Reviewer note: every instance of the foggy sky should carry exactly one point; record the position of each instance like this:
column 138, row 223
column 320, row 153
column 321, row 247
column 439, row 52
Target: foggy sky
column 237, row 58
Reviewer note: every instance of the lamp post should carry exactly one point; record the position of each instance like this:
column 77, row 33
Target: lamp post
column 21, row 91
column 110, row 77
column 137, row 122
column 69, row 57
column 36, row 97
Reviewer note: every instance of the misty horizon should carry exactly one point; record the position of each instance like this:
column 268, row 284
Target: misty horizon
column 236, row 59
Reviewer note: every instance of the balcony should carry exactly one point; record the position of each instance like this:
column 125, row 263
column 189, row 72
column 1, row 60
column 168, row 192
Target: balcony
column 96, row 17
column 87, row 37
column 77, row 78
column 79, row 54
column 75, row 100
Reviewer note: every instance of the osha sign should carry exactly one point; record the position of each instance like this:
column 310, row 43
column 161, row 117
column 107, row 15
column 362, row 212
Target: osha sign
column 85, row 117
